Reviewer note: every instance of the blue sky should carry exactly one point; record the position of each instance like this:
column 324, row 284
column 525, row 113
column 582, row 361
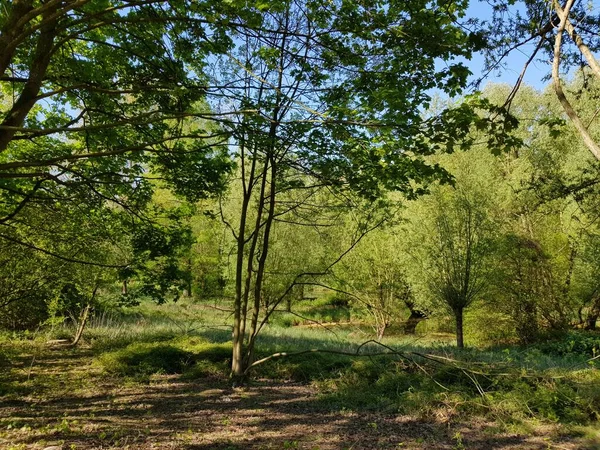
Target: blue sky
column 514, row 62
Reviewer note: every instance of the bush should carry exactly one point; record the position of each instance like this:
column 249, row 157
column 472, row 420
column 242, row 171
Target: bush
column 577, row 342
column 338, row 300
column 302, row 368
column 488, row 326
column 24, row 314
column 284, row 319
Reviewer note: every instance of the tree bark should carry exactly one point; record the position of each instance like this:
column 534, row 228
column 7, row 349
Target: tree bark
column 13, row 27
column 575, row 119
column 416, row 316
column 83, row 318
column 458, row 315
column 237, row 370
column 189, row 288
column 593, row 316
column 31, row 89
column 590, row 322
column 381, row 327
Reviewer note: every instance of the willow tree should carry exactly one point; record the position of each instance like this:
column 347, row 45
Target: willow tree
column 327, row 95
column 458, row 249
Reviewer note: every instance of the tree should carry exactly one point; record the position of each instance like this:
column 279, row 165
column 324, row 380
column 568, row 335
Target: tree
column 309, row 97
column 458, row 244
column 97, row 101
column 81, row 250
column 545, row 208
column 94, row 96
column 548, row 24
column 585, row 281
column 375, row 274
column 330, row 94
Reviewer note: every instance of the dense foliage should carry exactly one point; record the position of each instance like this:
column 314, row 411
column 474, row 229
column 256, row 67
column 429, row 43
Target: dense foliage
column 276, row 152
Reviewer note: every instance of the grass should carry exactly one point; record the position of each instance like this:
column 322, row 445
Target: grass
column 554, row 383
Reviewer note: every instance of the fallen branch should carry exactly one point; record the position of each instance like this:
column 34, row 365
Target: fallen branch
column 313, row 350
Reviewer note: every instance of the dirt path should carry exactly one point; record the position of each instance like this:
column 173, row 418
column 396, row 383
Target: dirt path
column 59, row 399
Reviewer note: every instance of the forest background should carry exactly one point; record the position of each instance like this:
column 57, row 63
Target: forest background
column 331, row 167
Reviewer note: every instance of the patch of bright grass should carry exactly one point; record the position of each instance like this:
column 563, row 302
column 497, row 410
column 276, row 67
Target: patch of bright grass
column 193, row 355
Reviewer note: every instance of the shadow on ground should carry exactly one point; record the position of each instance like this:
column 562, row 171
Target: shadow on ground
column 82, row 410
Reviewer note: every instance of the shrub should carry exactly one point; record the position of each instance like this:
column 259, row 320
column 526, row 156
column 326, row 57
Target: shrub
column 577, row 342
column 25, row 314
column 338, row 300
column 565, row 397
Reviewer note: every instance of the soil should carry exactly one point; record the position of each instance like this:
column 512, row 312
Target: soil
column 60, row 400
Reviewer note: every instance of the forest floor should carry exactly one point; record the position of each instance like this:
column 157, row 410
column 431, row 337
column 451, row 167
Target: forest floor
column 59, row 397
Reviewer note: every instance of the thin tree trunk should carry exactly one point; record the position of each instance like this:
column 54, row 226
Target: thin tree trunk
column 270, row 163
column 566, row 104
column 262, row 261
column 237, row 369
column 83, row 318
column 568, row 278
column 381, row 327
column 189, row 280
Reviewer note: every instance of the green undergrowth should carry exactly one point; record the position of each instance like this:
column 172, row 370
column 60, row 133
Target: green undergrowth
column 553, row 382
column 584, row 343
column 194, row 357
column 512, row 395
column 328, row 310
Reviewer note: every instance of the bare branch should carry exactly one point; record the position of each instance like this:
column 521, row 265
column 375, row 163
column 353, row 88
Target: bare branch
column 579, row 125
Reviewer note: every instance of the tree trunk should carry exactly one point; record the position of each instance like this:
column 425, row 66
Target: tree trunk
column 593, row 315
column 241, row 287
column 416, row 316
column 13, row 27
column 258, row 283
column 189, row 288
column 381, row 331
column 458, row 315
column 83, row 318
column 29, row 94
column 85, row 314
column 590, row 322
column 124, row 289
column 237, row 367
